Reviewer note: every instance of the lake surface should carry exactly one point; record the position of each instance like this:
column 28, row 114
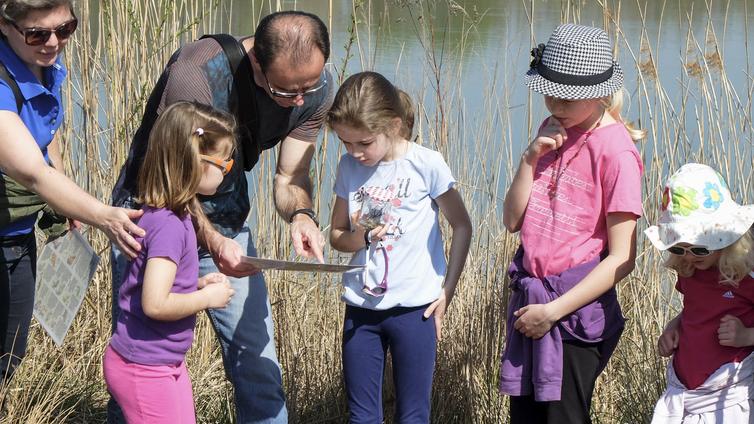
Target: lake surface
column 484, row 49
column 696, row 100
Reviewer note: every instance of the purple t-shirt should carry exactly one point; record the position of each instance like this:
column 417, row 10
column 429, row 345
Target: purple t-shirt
column 137, row 337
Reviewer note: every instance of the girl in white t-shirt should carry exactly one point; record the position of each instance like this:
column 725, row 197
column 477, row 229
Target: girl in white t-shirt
column 389, row 191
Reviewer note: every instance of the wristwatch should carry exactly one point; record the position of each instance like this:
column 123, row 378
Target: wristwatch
column 306, row 211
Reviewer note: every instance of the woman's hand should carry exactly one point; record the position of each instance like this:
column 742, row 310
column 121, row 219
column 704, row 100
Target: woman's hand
column 732, row 332
column 550, row 137
column 118, row 226
column 535, row 320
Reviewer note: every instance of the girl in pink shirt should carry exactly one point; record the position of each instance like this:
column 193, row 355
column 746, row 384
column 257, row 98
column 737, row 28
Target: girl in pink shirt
column 575, row 199
column 710, row 241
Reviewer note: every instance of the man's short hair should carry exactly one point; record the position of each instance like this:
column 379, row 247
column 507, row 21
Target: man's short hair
column 290, row 34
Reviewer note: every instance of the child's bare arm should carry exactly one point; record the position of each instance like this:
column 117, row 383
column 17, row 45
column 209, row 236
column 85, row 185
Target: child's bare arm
column 341, row 236
column 452, row 207
column 160, row 304
column 668, row 340
column 535, row 320
column 551, row 136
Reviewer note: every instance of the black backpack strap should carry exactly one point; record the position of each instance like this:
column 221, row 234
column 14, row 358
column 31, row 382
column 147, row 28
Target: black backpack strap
column 5, row 76
column 246, row 113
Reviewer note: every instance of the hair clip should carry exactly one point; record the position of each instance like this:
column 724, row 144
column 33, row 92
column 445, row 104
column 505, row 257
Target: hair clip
column 199, row 131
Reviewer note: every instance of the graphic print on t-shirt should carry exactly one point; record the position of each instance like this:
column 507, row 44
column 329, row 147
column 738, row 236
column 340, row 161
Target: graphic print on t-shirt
column 377, row 208
column 561, row 216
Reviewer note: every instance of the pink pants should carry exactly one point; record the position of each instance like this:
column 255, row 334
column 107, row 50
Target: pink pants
column 149, row 393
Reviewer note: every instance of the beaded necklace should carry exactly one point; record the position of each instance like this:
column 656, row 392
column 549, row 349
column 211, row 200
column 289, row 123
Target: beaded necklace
column 552, row 186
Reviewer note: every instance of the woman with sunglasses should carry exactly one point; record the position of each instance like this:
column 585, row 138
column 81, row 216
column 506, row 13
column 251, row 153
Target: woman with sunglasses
column 710, row 241
column 33, row 34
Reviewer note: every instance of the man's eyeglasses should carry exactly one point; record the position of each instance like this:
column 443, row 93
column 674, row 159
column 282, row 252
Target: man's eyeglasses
column 224, row 165
column 700, row 251
column 39, row 36
column 288, row 95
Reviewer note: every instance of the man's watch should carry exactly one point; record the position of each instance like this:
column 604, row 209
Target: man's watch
column 306, row 211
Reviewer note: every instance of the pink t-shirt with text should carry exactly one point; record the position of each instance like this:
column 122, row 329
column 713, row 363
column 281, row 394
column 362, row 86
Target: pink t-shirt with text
column 565, row 220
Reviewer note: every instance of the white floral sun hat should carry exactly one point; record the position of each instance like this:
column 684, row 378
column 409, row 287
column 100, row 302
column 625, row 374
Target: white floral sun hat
column 697, row 208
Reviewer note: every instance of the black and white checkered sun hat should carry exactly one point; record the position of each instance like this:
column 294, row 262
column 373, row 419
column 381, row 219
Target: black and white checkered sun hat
column 577, row 63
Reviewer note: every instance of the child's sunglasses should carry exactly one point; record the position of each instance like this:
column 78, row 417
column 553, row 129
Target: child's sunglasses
column 224, row 165
column 694, row 250
column 380, row 289
column 39, row 36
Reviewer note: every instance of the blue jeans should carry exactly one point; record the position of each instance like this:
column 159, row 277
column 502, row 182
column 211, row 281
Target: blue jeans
column 244, row 329
column 412, row 340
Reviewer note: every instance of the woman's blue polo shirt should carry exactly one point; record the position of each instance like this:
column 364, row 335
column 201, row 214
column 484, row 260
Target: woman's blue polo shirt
column 41, row 111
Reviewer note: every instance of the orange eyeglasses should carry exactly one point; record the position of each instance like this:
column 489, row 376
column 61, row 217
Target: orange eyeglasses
column 224, row 165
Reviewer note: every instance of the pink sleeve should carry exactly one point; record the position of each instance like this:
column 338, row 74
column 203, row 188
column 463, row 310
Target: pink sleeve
column 621, row 183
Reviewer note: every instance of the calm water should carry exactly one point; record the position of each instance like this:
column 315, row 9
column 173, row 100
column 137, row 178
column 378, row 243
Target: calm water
column 483, row 48
column 484, row 76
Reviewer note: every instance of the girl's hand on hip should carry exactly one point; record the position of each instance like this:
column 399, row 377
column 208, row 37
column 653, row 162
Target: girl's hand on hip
column 549, row 138
column 438, row 308
column 534, row 320
column 218, row 294
column 732, row 332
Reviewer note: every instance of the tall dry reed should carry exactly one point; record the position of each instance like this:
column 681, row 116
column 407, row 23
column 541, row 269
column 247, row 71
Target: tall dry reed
column 117, row 56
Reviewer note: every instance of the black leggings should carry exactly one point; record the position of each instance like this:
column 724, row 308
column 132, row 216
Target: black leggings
column 18, row 270
column 580, row 365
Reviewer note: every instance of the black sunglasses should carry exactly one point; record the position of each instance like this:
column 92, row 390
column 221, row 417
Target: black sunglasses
column 694, row 250
column 39, row 36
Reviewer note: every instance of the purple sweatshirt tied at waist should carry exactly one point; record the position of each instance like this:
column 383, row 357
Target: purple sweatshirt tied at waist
column 536, row 366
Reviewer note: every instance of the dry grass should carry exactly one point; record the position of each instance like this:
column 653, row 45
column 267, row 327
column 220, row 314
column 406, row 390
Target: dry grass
column 700, row 117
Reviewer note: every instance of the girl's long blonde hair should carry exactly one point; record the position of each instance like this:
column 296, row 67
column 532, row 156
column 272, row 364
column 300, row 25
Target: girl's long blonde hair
column 369, row 101
column 735, row 263
column 613, row 104
column 172, row 168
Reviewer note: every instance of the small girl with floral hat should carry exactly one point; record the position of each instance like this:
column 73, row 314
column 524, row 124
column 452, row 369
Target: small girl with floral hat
column 710, row 241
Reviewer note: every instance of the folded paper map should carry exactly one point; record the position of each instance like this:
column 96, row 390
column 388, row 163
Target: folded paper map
column 64, row 268
column 263, row 263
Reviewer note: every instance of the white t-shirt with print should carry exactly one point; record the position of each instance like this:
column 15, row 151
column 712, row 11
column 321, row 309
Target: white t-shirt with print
column 413, row 247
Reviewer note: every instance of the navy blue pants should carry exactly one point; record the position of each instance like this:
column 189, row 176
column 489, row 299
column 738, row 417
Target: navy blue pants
column 367, row 336
column 18, row 270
